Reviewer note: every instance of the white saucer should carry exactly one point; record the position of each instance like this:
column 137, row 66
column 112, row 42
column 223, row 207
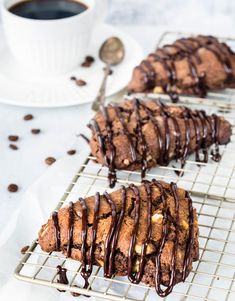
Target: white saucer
column 20, row 88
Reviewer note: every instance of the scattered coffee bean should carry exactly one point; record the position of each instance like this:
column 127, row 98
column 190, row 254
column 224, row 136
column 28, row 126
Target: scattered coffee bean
column 80, row 83
column 86, row 64
column 13, row 138
column 24, row 250
column 28, row 117
column 89, row 59
column 71, row 152
column 35, row 131
column 12, row 188
column 13, row 146
column 73, row 78
column 50, row 160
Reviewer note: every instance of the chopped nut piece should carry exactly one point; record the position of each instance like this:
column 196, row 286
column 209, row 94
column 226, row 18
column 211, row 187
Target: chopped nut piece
column 157, row 217
column 136, row 266
column 138, row 249
column 184, row 224
column 158, row 89
column 126, row 162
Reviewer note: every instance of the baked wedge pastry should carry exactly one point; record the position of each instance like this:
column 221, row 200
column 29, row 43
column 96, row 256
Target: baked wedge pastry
column 188, row 66
column 136, row 135
column 148, row 233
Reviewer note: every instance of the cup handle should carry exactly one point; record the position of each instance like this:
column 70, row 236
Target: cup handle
column 101, row 7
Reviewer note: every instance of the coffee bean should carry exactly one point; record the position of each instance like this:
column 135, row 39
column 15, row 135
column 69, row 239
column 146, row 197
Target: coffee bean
column 73, row 78
column 35, row 131
column 12, row 188
column 24, row 250
column 80, row 83
column 13, row 146
column 86, row 64
column 71, row 152
column 28, row 117
column 89, row 59
column 50, row 160
column 13, row 138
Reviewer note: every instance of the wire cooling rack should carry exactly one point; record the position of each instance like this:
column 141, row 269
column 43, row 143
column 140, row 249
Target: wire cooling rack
column 212, row 186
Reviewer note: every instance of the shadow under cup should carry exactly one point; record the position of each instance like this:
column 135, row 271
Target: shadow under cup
column 48, row 47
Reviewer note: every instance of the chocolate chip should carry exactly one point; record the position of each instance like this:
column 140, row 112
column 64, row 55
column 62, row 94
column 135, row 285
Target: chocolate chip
column 13, row 138
column 71, row 152
column 13, row 146
column 73, row 78
column 89, row 59
column 35, row 131
column 12, row 188
column 50, row 160
column 28, row 117
column 80, row 82
column 86, row 64
column 24, row 250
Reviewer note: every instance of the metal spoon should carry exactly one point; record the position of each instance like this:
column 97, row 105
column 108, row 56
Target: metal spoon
column 111, row 53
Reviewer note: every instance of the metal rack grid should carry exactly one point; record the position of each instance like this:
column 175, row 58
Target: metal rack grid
column 212, row 187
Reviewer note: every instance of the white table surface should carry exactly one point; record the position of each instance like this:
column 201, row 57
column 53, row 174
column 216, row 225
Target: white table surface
column 58, row 128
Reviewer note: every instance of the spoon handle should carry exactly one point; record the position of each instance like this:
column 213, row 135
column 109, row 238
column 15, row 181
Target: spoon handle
column 99, row 100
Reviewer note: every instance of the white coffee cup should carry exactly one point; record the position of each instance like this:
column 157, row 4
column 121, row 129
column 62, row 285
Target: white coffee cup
column 48, row 47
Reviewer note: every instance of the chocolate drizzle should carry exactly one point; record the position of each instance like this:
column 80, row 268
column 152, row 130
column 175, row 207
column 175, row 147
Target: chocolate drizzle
column 62, row 273
column 140, row 137
column 184, row 49
column 70, row 230
column 57, row 230
column 196, row 124
column 117, row 218
column 86, row 272
column 110, row 251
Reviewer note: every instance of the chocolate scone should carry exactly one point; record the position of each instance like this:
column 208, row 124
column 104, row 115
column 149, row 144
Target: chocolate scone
column 148, row 233
column 136, row 135
column 188, row 66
